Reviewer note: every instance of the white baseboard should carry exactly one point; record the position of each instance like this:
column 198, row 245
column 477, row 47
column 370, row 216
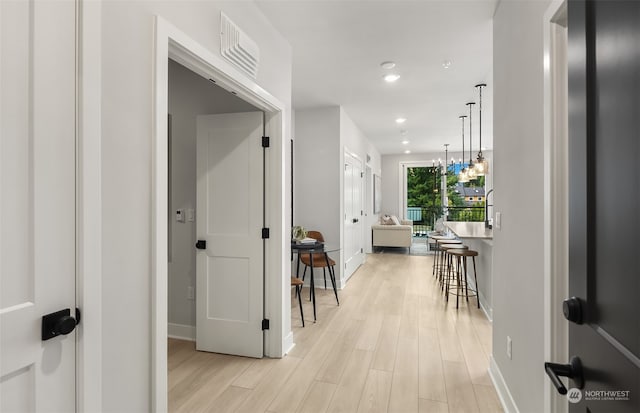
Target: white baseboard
column 288, row 343
column 182, row 331
column 508, row 404
column 488, row 312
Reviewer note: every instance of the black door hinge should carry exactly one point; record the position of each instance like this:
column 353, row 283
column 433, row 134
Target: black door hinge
column 265, row 324
column 201, row 244
column 265, row 141
column 265, row 233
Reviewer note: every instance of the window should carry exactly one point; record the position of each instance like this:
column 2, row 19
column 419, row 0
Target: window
column 422, row 198
column 465, row 201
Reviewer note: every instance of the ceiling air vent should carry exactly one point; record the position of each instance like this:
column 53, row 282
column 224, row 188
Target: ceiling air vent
column 237, row 47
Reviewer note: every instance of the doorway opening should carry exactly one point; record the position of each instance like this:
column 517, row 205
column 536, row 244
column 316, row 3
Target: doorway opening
column 171, row 43
column 190, row 95
column 204, row 203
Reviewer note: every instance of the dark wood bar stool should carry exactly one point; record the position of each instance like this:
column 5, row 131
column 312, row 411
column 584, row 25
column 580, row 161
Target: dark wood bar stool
column 461, row 285
column 441, row 239
column 447, row 262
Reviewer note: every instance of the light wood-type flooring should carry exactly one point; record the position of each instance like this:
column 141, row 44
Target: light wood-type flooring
column 393, row 345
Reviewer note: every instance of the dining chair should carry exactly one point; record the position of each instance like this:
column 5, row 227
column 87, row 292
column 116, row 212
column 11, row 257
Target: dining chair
column 298, row 283
column 320, row 260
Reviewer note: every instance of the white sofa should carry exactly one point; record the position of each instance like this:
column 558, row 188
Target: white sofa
column 393, row 235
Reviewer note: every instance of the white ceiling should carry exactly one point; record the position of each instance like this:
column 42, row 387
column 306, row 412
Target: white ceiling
column 338, row 47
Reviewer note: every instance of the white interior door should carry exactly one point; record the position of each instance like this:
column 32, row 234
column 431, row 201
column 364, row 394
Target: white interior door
column 229, row 272
column 37, row 203
column 353, row 214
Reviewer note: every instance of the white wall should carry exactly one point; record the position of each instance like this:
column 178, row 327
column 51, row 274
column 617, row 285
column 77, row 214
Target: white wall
column 127, row 98
column 317, row 171
column 321, row 135
column 189, row 95
column 391, row 191
column 518, row 246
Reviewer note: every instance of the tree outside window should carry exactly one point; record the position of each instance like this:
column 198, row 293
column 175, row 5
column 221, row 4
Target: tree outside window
column 425, row 201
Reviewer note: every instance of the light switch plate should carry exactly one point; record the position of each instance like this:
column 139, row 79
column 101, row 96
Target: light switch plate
column 498, row 220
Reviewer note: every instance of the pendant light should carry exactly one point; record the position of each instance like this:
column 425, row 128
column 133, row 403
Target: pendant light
column 446, row 156
column 462, row 176
column 471, row 170
column 482, row 165
column 443, row 198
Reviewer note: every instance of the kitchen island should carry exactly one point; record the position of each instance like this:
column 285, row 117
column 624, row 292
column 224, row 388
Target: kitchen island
column 478, row 238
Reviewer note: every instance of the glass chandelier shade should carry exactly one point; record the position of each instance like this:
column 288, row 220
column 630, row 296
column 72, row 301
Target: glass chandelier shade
column 462, row 176
column 471, row 172
column 482, row 165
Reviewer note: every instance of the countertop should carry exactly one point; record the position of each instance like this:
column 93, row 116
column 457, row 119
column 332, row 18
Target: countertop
column 470, row 229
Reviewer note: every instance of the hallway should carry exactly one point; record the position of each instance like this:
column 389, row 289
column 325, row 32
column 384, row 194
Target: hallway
column 392, row 345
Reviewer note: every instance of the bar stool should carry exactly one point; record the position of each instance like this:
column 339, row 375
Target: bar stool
column 441, row 239
column 447, row 262
column 461, row 265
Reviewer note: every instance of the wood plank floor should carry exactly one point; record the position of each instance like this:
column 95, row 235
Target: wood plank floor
column 393, row 345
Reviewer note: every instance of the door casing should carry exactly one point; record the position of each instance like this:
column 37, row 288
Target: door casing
column 170, row 42
column 89, row 206
column 556, row 202
column 345, row 276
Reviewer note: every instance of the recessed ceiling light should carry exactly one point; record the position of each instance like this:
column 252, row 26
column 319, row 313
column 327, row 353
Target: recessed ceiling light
column 405, row 142
column 388, row 64
column 407, row 151
column 446, row 64
column 401, row 120
column 391, row 77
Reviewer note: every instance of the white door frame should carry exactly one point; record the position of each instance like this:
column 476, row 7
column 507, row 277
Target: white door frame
column 89, row 206
column 343, row 276
column 556, row 231
column 170, row 42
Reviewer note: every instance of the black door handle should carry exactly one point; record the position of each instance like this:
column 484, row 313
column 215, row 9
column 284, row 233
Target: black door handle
column 355, row 220
column 572, row 310
column 59, row 323
column 573, row 370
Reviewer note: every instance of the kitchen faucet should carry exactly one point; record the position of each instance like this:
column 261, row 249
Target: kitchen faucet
column 487, row 224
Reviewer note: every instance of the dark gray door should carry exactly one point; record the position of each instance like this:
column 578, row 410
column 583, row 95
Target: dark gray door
column 604, row 167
